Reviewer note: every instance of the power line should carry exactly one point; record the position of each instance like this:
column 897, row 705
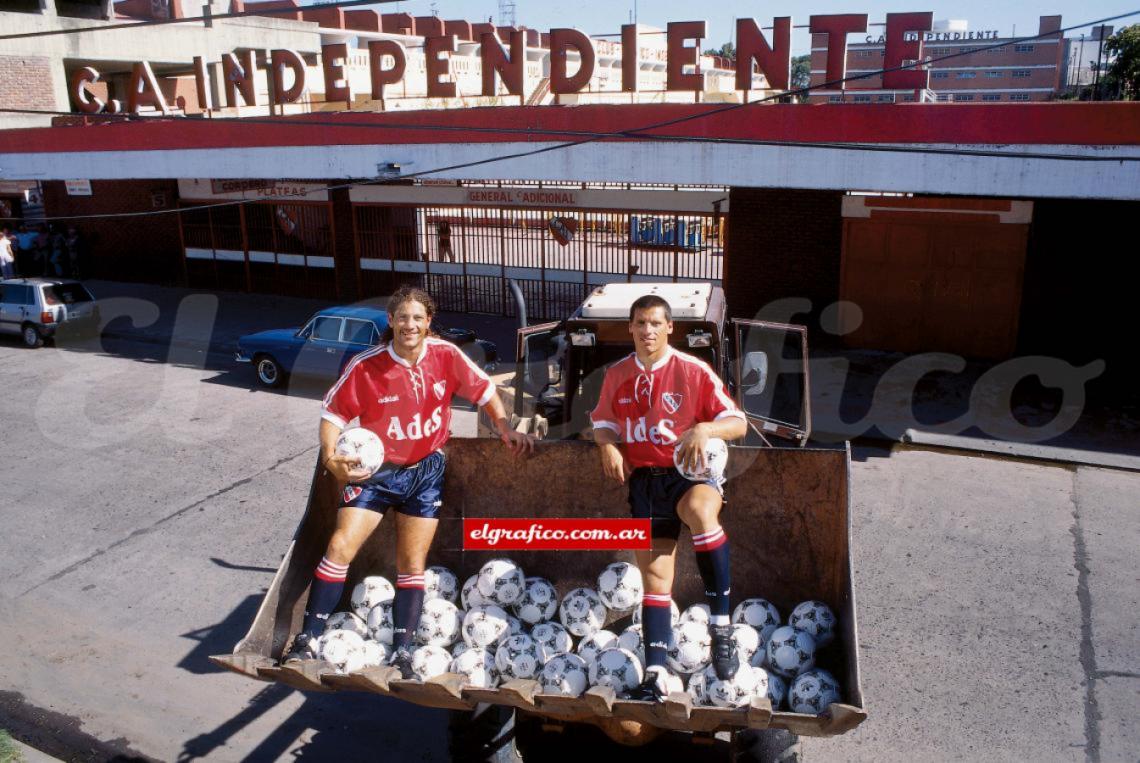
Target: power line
column 208, row 18
column 637, row 133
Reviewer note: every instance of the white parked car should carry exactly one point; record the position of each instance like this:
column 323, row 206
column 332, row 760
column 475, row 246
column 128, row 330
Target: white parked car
column 35, row 308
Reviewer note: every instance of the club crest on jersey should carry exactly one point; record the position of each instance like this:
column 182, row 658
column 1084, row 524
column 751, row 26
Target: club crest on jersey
column 671, row 401
column 439, row 387
column 351, row 493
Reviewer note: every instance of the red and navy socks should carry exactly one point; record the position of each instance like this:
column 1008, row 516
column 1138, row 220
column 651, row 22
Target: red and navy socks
column 406, row 609
column 712, row 561
column 657, row 626
column 328, row 584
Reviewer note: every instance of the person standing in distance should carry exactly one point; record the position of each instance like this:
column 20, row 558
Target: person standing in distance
column 401, row 390
column 651, row 402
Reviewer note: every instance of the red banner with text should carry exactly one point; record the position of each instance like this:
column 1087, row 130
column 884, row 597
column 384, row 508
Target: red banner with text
column 555, row 534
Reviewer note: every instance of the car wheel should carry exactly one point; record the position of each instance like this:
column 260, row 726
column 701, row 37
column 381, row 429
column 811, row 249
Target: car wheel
column 269, row 371
column 31, row 336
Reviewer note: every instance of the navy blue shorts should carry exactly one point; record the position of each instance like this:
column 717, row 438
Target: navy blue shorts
column 654, row 493
column 414, row 489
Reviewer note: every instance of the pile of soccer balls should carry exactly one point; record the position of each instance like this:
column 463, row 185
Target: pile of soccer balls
column 501, row 625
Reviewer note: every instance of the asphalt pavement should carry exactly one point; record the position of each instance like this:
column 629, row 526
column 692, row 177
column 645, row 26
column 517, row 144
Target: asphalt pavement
column 150, row 491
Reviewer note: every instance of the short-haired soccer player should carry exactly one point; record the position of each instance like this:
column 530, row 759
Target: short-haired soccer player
column 651, row 402
column 402, row 391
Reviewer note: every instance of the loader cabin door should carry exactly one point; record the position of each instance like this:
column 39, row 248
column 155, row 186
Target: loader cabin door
column 770, row 372
column 538, row 351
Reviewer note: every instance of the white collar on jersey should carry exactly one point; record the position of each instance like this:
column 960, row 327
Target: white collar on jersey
column 664, row 359
column 403, row 362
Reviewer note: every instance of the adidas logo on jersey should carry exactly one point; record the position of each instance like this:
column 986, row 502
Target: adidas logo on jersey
column 389, row 399
column 659, row 434
column 417, row 428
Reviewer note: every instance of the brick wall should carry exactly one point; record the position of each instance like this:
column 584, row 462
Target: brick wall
column 782, row 243
column 25, row 81
column 145, row 249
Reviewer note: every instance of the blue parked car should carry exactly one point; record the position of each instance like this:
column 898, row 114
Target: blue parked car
column 331, row 338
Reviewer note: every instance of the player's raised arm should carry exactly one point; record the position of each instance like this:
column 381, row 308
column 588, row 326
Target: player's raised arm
column 607, row 432
column 473, row 384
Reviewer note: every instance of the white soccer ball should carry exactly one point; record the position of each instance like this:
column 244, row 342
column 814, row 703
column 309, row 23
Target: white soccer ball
column 470, row 596
column 552, row 639
column 589, row 646
column 790, row 651
column 616, row 668
column 777, row 689
column 565, row 674
column 691, row 649
column 369, row 592
column 429, row 661
column 697, row 613
column 485, row 626
column 698, row 688
column 440, row 621
column 459, row 648
column 477, row 666
column 738, row 690
column 761, row 614
column 375, row 654
column 362, row 444
column 538, row 603
column 582, row 612
column 747, row 641
column 674, row 614
column 813, row 691
column 440, row 583
column 816, row 618
column 346, row 621
column 518, row 657
column 716, row 459
column 760, row 659
column 343, row 649
column 380, row 624
column 620, row 586
column 502, row 581
column 632, row 640
column 514, row 626
column 669, row 681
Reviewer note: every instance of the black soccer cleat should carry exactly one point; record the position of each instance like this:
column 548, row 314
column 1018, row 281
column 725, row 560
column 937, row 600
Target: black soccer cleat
column 302, row 648
column 401, row 659
column 646, row 691
column 652, row 689
column 724, row 657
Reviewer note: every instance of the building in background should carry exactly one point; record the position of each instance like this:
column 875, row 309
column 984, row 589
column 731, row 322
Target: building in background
column 1032, row 70
column 40, row 73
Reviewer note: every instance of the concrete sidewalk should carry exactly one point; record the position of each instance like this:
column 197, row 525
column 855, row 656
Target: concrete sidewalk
column 855, row 394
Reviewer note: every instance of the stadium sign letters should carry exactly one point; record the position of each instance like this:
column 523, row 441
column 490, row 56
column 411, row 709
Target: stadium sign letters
column 387, row 61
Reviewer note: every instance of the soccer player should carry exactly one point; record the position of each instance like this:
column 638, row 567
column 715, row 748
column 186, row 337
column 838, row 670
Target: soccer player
column 653, row 401
column 402, row 391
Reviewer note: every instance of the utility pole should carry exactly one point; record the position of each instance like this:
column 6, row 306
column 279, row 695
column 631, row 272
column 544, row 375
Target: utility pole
column 1096, row 77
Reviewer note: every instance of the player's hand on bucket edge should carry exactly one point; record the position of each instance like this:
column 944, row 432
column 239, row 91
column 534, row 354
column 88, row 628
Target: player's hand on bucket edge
column 518, row 442
column 692, row 447
column 614, row 465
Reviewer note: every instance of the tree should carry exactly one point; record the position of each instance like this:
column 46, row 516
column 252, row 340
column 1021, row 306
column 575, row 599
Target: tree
column 801, row 73
column 728, row 50
column 1123, row 75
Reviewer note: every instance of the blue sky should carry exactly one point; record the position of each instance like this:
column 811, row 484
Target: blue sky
column 607, row 16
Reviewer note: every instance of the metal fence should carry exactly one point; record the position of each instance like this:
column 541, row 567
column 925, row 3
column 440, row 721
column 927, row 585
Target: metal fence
column 464, row 255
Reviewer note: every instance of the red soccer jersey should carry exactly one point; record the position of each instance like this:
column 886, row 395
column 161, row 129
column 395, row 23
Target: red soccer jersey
column 407, row 405
column 650, row 409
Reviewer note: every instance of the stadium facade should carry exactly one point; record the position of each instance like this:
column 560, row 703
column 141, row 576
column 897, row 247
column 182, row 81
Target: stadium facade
column 950, row 225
